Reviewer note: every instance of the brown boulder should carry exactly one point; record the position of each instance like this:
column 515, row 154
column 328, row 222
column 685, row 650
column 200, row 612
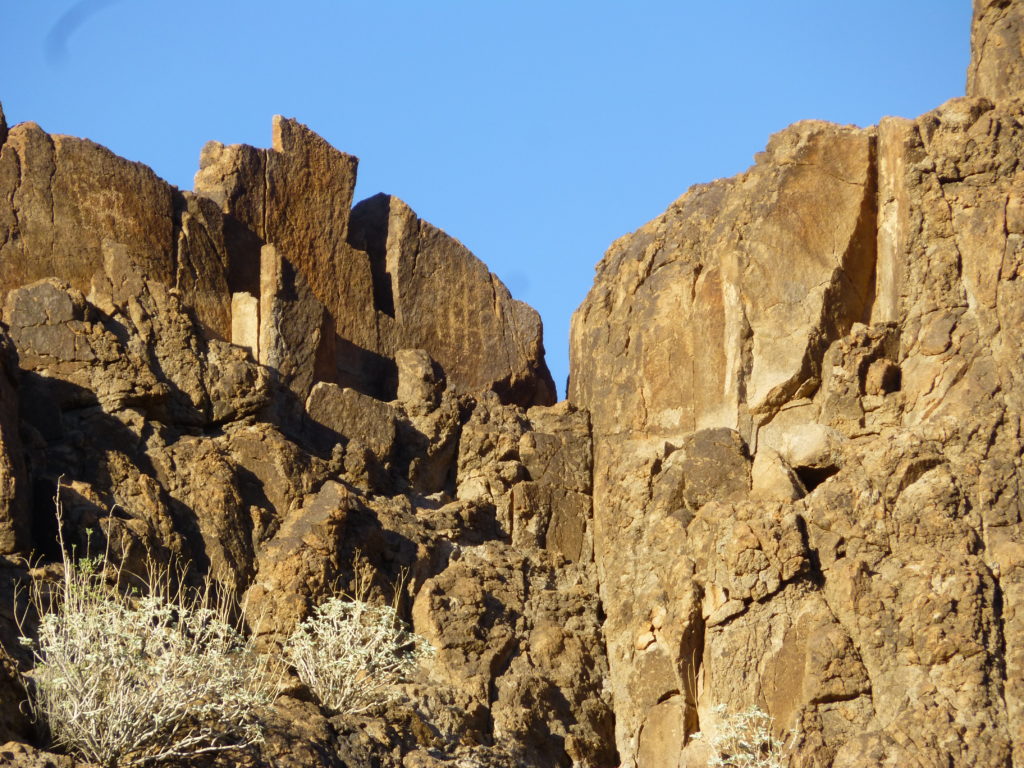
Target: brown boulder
column 350, row 415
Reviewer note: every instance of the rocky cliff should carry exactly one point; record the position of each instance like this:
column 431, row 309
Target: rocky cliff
column 787, row 474
column 805, row 388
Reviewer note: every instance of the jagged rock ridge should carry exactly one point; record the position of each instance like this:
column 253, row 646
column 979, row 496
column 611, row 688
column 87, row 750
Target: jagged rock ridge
column 788, row 474
column 250, row 379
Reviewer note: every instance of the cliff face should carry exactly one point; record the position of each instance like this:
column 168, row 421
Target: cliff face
column 283, row 391
column 805, row 386
column 787, row 476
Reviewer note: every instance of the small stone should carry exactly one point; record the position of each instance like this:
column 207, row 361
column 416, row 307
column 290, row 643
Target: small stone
column 645, row 640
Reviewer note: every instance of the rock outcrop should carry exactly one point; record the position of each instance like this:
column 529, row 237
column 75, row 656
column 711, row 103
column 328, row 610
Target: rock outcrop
column 385, row 279
column 997, row 50
column 805, row 390
column 788, row 474
column 244, row 380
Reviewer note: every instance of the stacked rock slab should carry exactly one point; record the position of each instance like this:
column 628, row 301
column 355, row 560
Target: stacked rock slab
column 850, row 559
column 385, row 279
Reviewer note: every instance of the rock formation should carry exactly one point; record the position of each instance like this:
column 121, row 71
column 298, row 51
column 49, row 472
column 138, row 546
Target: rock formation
column 805, row 389
column 787, row 475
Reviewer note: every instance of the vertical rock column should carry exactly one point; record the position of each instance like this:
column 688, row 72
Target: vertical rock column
column 997, row 49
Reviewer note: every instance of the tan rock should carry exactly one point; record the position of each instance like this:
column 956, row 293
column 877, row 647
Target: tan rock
column 418, row 387
column 853, row 598
column 19, row 755
column 297, row 196
column 749, row 275
column 446, row 301
column 296, row 335
column 350, row 414
column 300, row 566
column 245, row 322
column 772, row 479
column 997, row 43
column 67, row 199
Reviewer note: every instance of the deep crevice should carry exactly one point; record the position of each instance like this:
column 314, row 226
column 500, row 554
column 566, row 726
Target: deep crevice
column 812, row 477
column 368, row 232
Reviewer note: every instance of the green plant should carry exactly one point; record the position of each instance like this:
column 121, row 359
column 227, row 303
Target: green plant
column 123, row 678
column 352, row 654
column 745, row 740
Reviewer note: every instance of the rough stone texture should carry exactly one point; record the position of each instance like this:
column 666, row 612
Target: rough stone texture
column 349, row 414
column 17, row 755
column 296, row 333
column 446, row 301
column 997, row 49
column 848, row 558
column 297, row 196
column 789, row 474
column 418, row 387
column 512, row 636
column 386, row 280
column 160, row 441
column 66, row 202
column 147, row 352
column 751, row 276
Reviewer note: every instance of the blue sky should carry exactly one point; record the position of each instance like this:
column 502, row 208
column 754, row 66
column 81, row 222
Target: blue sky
column 535, row 131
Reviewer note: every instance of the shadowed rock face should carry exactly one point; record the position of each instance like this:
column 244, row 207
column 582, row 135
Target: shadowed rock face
column 386, row 279
column 788, row 474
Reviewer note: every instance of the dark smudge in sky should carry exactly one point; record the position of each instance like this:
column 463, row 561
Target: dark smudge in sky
column 59, row 34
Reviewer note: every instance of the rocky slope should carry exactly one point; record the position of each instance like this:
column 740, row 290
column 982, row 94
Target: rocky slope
column 787, row 474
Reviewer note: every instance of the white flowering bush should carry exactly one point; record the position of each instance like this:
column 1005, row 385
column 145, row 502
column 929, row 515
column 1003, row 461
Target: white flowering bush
column 127, row 679
column 352, row 654
column 745, row 740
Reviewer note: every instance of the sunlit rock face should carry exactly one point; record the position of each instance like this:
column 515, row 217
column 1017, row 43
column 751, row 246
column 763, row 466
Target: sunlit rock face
column 830, row 343
column 787, row 476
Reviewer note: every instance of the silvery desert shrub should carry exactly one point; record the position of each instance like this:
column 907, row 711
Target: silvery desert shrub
column 745, row 740
column 130, row 678
column 352, row 654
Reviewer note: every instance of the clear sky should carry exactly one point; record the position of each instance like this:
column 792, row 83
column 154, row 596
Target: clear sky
column 535, row 131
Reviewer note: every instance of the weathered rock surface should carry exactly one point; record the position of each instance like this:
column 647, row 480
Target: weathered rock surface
column 818, row 512
column 67, row 203
column 445, row 301
column 997, row 49
column 386, row 279
column 206, row 377
column 788, row 475
column 718, row 312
